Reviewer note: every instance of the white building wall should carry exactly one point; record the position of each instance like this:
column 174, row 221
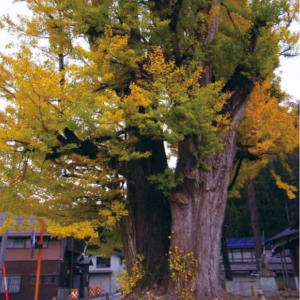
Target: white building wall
column 103, row 280
column 107, row 277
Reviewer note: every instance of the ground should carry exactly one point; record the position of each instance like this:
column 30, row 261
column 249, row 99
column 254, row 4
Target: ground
column 284, row 296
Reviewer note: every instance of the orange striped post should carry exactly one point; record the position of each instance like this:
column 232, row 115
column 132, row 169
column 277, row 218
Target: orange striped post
column 39, row 261
column 5, row 281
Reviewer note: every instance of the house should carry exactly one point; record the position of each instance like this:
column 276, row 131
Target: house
column 284, row 242
column 62, row 268
column 244, row 270
column 103, row 272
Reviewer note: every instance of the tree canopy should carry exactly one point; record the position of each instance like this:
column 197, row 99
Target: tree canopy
column 66, row 132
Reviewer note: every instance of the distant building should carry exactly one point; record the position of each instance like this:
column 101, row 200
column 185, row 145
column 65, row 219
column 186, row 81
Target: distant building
column 63, row 266
column 287, row 242
column 103, row 272
column 243, row 266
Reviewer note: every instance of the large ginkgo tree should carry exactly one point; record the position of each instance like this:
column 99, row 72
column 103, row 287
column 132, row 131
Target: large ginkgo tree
column 101, row 95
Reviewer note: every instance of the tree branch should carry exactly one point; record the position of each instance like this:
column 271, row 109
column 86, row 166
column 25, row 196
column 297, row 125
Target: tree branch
column 173, row 29
column 213, row 29
column 242, row 153
column 236, row 174
column 239, row 84
column 86, row 147
column 206, row 77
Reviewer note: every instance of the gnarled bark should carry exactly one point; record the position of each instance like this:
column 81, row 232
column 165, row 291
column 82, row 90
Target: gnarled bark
column 147, row 228
column 198, row 211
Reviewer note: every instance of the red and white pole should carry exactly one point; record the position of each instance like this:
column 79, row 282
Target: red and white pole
column 5, row 281
column 39, row 261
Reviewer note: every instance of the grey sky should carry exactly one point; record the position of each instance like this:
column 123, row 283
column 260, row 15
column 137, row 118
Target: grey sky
column 289, row 67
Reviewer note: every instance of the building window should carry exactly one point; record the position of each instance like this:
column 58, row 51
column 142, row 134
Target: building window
column 21, row 243
column 248, row 255
column 102, row 262
column 17, row 243
column 37, row 240
column 50, row 279
column 13, row 283
column 241, row 255
column 235, row 255
column 44, row 279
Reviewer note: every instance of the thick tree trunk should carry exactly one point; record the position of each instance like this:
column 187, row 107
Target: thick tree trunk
column 147, row 228
column 255, row 224
column 198, row 209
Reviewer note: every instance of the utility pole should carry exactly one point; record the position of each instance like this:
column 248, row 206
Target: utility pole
column 39, row 261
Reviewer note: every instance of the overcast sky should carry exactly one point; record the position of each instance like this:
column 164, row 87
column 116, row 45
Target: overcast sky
column 289, row 67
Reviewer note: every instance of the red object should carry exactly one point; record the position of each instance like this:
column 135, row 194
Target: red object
column 39, row 262
column 98, row 291
column 5, row 281
column 74, row 294
column 92, row 292
column 95, row 292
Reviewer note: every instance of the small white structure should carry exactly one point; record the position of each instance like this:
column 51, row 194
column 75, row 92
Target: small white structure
column 242, row 286
column 103, row 272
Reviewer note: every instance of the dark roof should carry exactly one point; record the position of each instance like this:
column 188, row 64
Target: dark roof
column 284, row 234
column 241, row 242
column 285, row 239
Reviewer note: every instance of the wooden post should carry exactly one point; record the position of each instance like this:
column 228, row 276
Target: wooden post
column 225, row 257
column 255, row 222
column 39, row 261
column 253, row 291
